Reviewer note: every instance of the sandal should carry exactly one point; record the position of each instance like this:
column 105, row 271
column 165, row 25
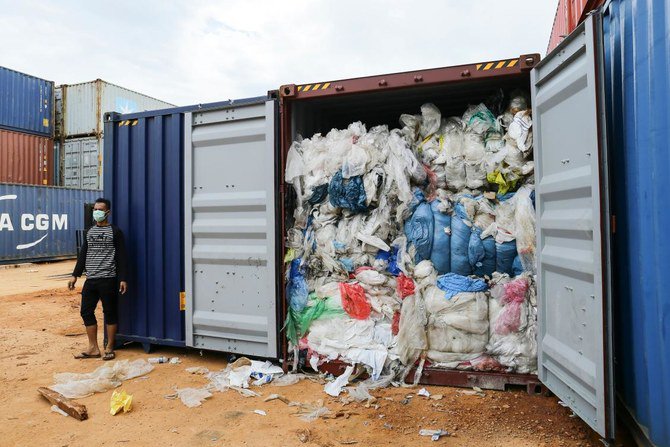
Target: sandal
column 85, row 355
column 109, row 356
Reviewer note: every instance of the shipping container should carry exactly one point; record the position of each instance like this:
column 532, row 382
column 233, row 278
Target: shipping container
column 144, row 180
column 26, row 103
column 39, row 223
column 26, row 158
column 82, row 165
column 586, row 140
column 569, row 14
column 82, row 106
column 638, row 87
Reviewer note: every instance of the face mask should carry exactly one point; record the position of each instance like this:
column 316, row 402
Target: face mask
column 99, row 215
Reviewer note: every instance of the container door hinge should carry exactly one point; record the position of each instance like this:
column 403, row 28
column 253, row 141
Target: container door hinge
column 182, row 300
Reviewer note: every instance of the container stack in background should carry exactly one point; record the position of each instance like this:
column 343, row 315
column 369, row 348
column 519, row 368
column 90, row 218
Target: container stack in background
column 79, row 113
column 26, row 129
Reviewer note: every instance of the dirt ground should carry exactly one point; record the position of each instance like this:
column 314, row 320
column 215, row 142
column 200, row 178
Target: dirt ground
column 40, row 330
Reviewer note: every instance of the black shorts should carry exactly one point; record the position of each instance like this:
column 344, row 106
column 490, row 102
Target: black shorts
column 105, row 290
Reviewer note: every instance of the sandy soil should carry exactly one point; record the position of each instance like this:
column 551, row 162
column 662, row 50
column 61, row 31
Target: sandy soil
column 40, row 330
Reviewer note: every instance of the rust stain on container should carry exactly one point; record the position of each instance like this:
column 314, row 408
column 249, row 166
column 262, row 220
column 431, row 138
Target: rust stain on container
column 26, row 159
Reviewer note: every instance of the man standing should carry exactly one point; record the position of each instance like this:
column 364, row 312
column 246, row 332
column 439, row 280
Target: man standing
column 103, row 256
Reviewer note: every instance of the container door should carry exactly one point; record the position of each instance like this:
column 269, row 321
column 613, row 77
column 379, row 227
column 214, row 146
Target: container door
column 90, row 163
column 72, row 171
column 574, row 340
column 230, row 236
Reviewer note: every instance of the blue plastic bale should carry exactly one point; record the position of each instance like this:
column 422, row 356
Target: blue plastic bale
column 419, row 231
column 482, row 253
column 517, row 267
column 347, row 193
column 505, row 254
column 298, row 291
column 441, row 251
column 460, row 241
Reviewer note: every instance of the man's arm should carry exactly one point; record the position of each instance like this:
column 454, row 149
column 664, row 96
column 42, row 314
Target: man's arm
column 81, row 259
column 81, row 264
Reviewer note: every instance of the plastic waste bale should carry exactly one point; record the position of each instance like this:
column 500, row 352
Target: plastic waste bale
column 524, row 217
column 461, row 229
column 457, row 327
column 505, row 237
column 513, row 318
column 347, row 193
column 440, row 254
column 354, row 341
column 482, row 245
column 420, row 227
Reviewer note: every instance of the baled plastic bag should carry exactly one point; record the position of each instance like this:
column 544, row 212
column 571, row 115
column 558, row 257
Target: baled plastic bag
column 355, row 162
column 419, row 230
column 481, row 253
column 453, row 284
column 353, row 301
column 508, row 320
column 298, row 290
column 505, row 255
column 460, row 241
column 479, row 119
column 405, row 286
column 430, row 120
column 440, row 253
column 524, row 217
column 519, row 130
column 347, row 193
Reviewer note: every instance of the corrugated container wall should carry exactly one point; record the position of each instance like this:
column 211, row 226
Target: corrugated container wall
column 26, row 158
column 637, row 45
column 39, row 223
column 83, row 106
column 26, row 103
column 82, row 167
column 144, row 181
column 569, row 14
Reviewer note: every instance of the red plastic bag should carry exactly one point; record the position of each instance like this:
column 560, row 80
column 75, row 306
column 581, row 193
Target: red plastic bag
column 353, row 300
column 509, row 318
column 405, row 286
column 395, row 326
column 431, row 189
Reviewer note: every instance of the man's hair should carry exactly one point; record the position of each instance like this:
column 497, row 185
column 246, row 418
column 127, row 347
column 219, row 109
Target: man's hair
column 107, row 203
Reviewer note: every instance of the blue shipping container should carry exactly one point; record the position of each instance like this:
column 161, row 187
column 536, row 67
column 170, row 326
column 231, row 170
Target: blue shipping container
column 39, row 223
column 143, row 179
column 143, row 167
column 26, row 103
column 637, row 45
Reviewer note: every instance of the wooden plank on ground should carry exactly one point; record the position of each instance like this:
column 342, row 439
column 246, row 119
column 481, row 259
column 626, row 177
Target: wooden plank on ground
column 74, row 409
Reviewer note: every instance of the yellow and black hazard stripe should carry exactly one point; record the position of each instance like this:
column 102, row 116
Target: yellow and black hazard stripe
column 128, row 123
column 313, row 87
column 496, row 65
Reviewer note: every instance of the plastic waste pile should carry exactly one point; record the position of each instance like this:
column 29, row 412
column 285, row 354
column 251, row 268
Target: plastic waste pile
column 415, row 244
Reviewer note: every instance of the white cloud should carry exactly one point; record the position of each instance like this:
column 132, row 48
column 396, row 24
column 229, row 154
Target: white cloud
column 189, row 52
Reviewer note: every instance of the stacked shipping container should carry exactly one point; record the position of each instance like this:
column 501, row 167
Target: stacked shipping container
column 26, row 129
column 79, row 127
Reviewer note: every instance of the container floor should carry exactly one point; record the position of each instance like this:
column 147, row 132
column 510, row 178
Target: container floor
column 40, row 330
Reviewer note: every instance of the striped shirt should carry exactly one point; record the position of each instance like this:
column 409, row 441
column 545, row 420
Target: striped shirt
column 103, row 254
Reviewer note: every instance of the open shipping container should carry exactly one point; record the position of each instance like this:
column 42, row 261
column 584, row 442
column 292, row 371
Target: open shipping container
column 232, row 207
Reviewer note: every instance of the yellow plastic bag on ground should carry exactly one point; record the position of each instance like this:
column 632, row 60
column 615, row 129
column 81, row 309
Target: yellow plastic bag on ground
column 120, row 401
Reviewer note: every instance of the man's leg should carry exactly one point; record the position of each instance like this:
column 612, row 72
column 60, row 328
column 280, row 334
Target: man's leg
column 89, row 300
column 109, row 307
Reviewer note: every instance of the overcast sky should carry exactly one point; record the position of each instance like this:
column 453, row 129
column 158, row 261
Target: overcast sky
column 189, row 52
